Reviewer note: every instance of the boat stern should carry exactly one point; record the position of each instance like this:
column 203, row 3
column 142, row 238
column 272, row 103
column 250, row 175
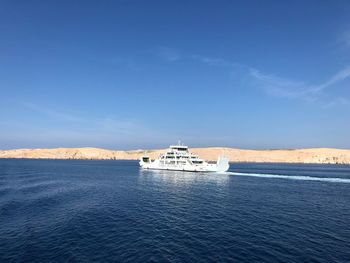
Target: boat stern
column 144, row 160
column 222, row 164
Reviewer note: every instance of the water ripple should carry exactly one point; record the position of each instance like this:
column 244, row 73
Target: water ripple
column 54, row 211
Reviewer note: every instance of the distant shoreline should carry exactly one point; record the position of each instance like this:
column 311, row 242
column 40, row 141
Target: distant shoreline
column 51, row 159
column 297, row 156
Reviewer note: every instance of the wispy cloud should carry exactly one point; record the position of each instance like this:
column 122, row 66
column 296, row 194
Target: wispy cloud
column 300, row 90
column 53, row 114
column 118, row 126
column 127, row 62
column 102, row 124
column 216, row 62
column 168, row 54
column 283, row 87
column 344, row 38
column 336, row 101
column 90, row 130
column 340, row 76
column 278, row 86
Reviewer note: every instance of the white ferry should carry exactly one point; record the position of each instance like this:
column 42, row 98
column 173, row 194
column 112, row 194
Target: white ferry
column 178, row 158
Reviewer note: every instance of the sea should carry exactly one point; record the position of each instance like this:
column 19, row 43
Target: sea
column 112, row 211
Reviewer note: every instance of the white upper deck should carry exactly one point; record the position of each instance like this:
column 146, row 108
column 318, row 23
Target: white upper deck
column 179, row 148
column 179, row 151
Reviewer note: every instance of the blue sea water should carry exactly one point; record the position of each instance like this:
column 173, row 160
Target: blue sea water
column 102, row 211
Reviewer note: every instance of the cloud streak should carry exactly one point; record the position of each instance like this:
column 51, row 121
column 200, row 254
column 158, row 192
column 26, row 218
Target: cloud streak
column 168, row 54
column 99, row 131
column 282, row 87
column 215, row 62
column 340, row 76
column 300, row 90
column 344, row 39
column 53, row 114
column 271, row 84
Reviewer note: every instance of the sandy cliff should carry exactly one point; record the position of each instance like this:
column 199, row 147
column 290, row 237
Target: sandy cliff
column 316, row 155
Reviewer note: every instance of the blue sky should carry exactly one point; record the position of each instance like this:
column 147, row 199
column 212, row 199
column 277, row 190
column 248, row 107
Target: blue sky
column 144, row 74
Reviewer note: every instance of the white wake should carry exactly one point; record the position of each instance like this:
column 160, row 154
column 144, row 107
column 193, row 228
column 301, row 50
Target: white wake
column 294, row 177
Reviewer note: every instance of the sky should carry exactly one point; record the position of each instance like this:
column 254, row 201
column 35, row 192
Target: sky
column 145, row 74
